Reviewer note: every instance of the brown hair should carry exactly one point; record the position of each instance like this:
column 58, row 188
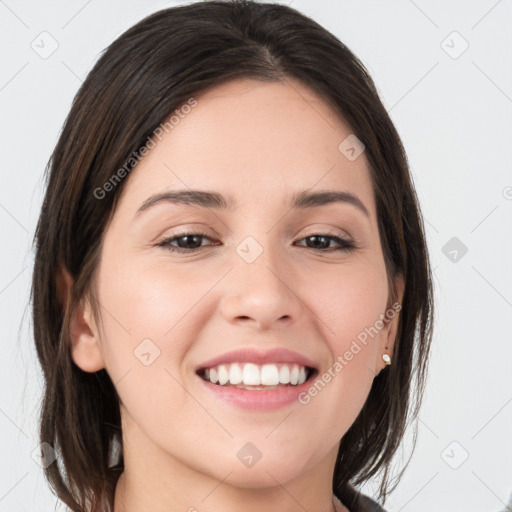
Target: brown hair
column 145, row 74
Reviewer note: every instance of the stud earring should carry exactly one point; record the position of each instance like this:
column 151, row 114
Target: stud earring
column 386, row 358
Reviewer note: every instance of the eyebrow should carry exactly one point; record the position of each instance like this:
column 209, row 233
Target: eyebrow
column 209, row 199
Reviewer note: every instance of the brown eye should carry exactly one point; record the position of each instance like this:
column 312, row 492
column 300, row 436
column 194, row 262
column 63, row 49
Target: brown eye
column 321, row 242
column 191, row 241
column 186, row 242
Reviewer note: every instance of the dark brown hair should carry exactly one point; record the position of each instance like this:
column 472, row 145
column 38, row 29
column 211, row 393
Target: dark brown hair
column 144, row 75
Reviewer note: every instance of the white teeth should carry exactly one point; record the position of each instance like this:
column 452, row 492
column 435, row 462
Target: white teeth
column 213, row 375
column 235, row 374
column 294, row 375
column 284, row 374
column 302, row 375
column 250, row 374
column 269, row 375
column 223, row 375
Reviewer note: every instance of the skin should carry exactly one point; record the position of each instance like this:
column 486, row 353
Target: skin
column 258, row 142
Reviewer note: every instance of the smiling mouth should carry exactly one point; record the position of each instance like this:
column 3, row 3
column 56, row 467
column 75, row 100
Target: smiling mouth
column 257, row 377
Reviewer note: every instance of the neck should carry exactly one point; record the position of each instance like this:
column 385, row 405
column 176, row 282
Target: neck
column 155, row 480
column 132, row 495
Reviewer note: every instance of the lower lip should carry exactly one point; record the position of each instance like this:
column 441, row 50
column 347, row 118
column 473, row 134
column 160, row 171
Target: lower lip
column 262, row 400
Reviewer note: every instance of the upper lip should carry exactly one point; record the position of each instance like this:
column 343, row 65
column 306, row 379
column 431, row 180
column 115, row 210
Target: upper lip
column 250, row 355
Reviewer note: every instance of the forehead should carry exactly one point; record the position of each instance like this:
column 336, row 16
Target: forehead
column 252, row 139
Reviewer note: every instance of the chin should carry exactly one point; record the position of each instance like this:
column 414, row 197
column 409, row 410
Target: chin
column 264, row 473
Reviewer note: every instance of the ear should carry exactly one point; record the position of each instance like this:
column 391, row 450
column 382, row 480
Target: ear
column 391, row 320
column 85, row 341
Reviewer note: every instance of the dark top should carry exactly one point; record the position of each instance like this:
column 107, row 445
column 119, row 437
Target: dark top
column 358, row 502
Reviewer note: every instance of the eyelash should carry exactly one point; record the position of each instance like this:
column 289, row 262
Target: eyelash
column 345, row 245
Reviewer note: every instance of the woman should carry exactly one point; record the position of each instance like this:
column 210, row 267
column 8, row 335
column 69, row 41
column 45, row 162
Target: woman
column 232, row 286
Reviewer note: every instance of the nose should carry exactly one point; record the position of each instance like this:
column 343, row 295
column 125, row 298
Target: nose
column 261, row 295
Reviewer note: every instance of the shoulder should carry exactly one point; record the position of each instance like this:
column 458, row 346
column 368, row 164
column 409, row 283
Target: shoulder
column 355, row 501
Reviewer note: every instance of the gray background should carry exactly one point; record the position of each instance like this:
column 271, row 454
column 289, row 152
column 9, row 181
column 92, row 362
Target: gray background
column 453, row 111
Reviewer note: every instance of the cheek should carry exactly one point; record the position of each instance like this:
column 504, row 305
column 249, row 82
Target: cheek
column 150, row 316
column 145, row 313
column 151, row 300
column 133, row 308
column 347, row 305
column 347, row 302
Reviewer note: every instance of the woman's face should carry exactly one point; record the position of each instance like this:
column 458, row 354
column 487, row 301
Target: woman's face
column 264, row 276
